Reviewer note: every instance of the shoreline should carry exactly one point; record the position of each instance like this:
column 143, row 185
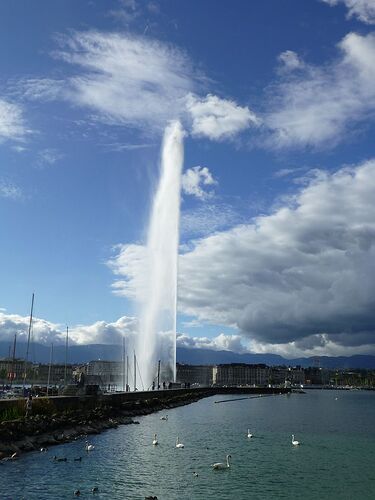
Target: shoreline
column 48, row 428
column 32, row 433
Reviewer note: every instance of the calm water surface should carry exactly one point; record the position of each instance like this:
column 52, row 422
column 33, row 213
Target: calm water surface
column 334, row 461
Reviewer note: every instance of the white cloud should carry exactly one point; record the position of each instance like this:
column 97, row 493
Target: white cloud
column 290, row 60
column 138, row 82
column 10, row 190
column 45, row 332
column 319, row 105
column 18, row 148
column 48, row 157
column 285, row 172
column 129, row 263
column 315, row 345
column 191, row 324
column 118, row 146
column 207, row 219
column 306, row 269
column 217, row 118
column 12, row 122
column 102, row 332
column 46, row 89
column 128, row 11
column 364, row 10
column 220, row 343
column 122, row 79
column 302, row 277
column 195, row 179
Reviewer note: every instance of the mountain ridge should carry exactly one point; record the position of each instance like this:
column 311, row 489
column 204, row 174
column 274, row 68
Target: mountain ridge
column 111, row 352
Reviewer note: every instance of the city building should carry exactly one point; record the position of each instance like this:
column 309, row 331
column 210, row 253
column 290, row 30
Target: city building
column 237, row 374
column 54, row 372
column 317, row 376
column 13, row 370
column 201, row 375
column 286, row 374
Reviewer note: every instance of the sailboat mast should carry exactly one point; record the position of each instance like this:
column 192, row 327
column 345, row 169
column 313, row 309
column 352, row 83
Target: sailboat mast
column 123, row 364
column 66, row 353
column 11, row 373
column 30, row 323
column 135, row 372
column 49, row 368
column 28, row 342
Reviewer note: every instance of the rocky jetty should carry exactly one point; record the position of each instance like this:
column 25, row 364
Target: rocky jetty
column 40, row 431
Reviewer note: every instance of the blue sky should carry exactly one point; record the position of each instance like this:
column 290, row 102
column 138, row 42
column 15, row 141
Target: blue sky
column 277, row 228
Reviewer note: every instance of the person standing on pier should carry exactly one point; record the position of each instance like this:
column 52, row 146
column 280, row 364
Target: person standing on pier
column 29, row 406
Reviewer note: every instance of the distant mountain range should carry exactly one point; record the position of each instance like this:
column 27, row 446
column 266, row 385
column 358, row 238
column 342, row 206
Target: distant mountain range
column 208, row 356
column 84, row 353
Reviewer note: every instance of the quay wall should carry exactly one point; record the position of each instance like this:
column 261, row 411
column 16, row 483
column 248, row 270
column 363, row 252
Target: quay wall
column 120, row 399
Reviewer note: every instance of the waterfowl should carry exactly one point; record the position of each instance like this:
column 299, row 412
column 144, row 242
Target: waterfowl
column 89, row 447
column 95, row 490
column 164, row 417
column 221, row 465
column 60, row 459
column 12, row 457
column 77, row 493
column 294, row 441
column 178, row 444
column 249, row 435
column 79, row 459
column 43, row 449
column 155, row 441
column 151, row 498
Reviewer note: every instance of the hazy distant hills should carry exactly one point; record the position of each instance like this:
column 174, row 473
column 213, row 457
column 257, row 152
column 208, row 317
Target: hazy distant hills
column 207, row 356
column 77, row 353
column 85, row 353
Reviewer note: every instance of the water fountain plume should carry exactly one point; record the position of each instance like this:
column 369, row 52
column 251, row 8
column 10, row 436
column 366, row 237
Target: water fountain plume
column 157, row 336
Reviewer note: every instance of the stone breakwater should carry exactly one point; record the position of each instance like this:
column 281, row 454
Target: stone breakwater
column 42, row 431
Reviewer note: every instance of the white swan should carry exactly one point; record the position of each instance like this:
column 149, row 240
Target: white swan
column 221, row 465
column 155, row 441
column 249, row 435
column 89, row 447
column 294, row 441
column 178, row 444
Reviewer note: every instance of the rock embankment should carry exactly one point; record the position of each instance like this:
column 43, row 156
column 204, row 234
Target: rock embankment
column 40, row 431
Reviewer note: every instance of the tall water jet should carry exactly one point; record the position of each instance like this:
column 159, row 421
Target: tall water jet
column 157, row 335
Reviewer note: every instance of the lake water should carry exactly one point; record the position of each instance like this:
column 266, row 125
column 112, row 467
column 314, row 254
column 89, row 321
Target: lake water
column 336, row 458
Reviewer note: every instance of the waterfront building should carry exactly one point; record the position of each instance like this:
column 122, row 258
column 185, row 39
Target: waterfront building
column 286, row 374
column 237, row 374
column 13, row 370
column 317, row 376
column 56, row 374
column 201, row 375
